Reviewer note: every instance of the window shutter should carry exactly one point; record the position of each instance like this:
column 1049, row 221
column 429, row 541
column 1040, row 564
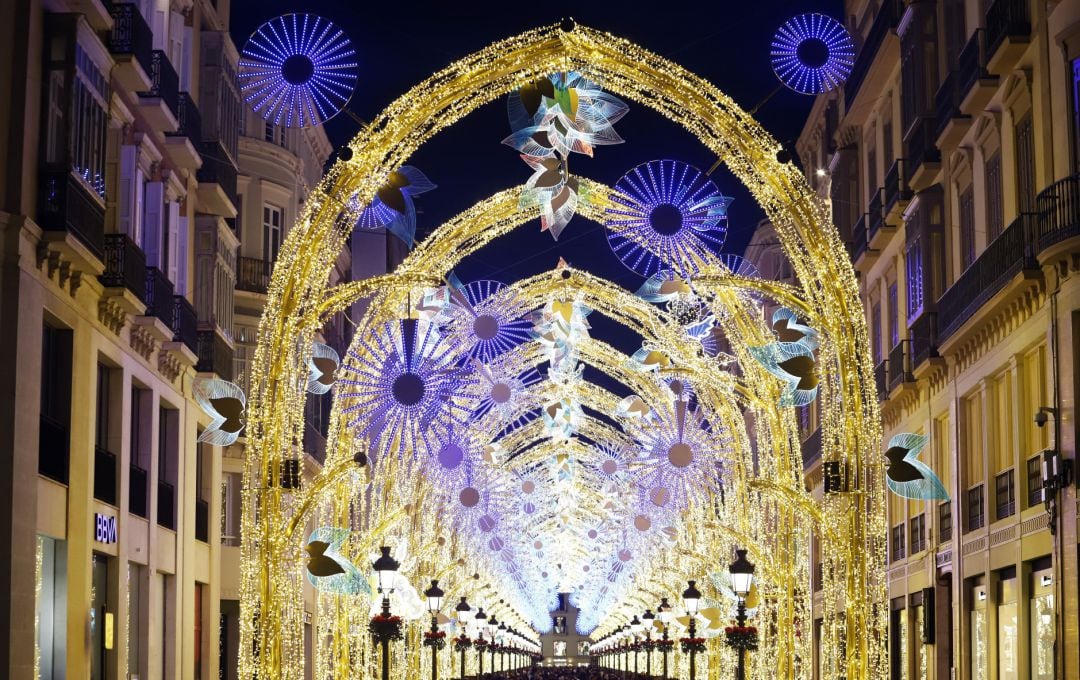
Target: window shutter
column 129, row 159
column 181, row 251
column 139, row 188
column 153, row 225
column 172, row 225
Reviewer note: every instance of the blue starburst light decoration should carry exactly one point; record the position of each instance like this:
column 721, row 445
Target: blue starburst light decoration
column 405, row 386
column 666, row 215
column 812, row 53
column 485, row 321
column 297, row 70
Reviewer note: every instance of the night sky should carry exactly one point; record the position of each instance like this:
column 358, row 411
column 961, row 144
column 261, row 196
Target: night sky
column 401, row 43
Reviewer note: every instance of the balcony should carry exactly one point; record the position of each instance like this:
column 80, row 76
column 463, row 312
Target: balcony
column 1008, row 33
column 132, row 45
column 886, row 20
column 104, row 475
column 137, row 491
column 214, row 354
column 166, row 505
column 252, row 274
column 875, row 217
column 811, row 449
column 922, row 154
column 858, row 244
column 950, row 124
column 160, row 105
column 1059, row 214
column 880, row 375
column 217, row 182
column 1007, row 256
column 73, row 218
column 125, row 266
column 53, row 442
column 899, row 366
column 159, row 296
column 923, row 332
column 202, row 520
column 184, row 142
column 897, row 193
column 185, row 324
column 976, row 85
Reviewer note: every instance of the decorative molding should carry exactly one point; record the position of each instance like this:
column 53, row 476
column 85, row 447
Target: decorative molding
column 1035, row 524
column 112, row 314
column 1004, row 535
column 975, row 545
column 943, row 558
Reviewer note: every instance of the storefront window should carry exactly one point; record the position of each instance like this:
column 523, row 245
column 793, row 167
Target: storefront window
column 979, row 651
column 920, row 658
column 1008, row 648
column 1042, row 625
column 51, row 606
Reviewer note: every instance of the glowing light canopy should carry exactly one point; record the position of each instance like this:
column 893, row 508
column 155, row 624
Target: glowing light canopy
column 297, row 70
column 812, row 53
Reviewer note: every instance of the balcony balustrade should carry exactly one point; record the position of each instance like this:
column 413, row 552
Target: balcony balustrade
column 1059, row 212
column 159, row 296
column 67, row 205
column 252, row 274
column 899, row 368
column 185, row 323
column 923, row 339
column 131, row 43
column 1007, row 22
column 215, row 355
column 896, row 188
column 125, row 265
column 887, row 18
column 161, row 103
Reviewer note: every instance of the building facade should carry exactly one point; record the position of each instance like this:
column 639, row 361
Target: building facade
column 950, row 159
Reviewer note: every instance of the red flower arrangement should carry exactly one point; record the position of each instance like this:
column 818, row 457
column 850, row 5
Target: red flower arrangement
column 741, row 637
column 385, row 628
column 462, row 643
column 480, row 644
column 435, row 639
column 695, row 645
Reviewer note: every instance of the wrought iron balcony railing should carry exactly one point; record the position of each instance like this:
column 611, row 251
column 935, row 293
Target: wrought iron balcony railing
column 159, row 296
column 164, row 83
column 125, row 265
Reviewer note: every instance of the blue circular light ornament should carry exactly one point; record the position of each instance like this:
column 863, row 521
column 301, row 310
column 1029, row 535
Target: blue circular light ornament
column 297, row 70
column 812, row 53
column 666, row 216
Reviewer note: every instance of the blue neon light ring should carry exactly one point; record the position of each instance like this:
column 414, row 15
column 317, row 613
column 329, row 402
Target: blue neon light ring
column 812, row 53
column 297, row 70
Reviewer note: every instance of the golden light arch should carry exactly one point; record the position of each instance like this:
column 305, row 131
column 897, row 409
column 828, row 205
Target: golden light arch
column 298, row 297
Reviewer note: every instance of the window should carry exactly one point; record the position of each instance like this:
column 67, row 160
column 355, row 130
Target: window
column 918, row 533
column 140, row 450
column 104, row 458
column 898, row 543
column 230, row 508
column 898, row 656
column 202, row 506
column 271, row 234
column 1034, row 481
column 994, row 210
column 269, row 132
column 137, row 619
column 100, row 610
column 967, row 228
column 944, row 514
column 914, row 271
column 1076, row 110
column 559, row 647
column 976, row 508
column 875, row 339
column 1025, row 164
column 559, row 625
column 198, row 620
column 894, row 315
column 168, row 452
column 55, row 420
column 1005, row 495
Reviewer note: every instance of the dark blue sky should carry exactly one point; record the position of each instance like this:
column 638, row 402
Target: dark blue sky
column 401, row 43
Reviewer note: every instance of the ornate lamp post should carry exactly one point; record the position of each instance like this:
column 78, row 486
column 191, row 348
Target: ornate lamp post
column 493, row 626
column 635, row 630
column 647, row 623
column 464, row 617
column 742, row 579
column 434, row 639
column 481, row 627
column 385, row 627
column 502, row 648
column 665, row 618
column 692, row 598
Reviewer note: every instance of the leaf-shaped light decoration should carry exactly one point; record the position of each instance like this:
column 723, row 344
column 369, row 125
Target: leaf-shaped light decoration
column 562, row 418
column 565, row 112
column 328, row 569
column 553, row 191
column 906, row 475
column 646, row 359
column 392, row 208
column 633, row 407
column 224, row 402
column 664, row 287
column 788, row 329
column 793, row 363
column 322, row 368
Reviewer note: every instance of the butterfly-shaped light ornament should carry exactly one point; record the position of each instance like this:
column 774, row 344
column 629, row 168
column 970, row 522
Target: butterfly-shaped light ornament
column 392, row 208
column 906, row 475
column 553, row 191
column 562, row 418
column 328, row 569
column 788, row 329
column 647, row 359
column 224, row 402
column 664, row 287
column 791, row 358
column 322, row 368
column 634, row 407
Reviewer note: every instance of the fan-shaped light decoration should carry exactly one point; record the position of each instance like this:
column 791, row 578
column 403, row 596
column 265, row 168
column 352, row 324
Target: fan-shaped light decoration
column 564, row 113
column 794, row 363
column 906, row 475
column 392, row 208
column 322, row 368
column 224, row 402
column 453, row 459
column 405, row 386
column 502, row 391
column 485, row 319
column 681, row 458
column 329, row 570
column 297, row 70
column 812, row 53
column 666, row 215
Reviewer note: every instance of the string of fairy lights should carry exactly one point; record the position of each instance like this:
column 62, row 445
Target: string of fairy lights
column 559, row 446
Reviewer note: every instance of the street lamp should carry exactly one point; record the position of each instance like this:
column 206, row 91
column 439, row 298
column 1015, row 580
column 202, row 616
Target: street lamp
column 384, row 567
column 692, row 599
column 647, row 620
column 464, row 616
column 635, row 630
column 434, row 595
column 742, row 579
column 502, row 646
column 492, row 626
column 665, row 618
column 481, row 626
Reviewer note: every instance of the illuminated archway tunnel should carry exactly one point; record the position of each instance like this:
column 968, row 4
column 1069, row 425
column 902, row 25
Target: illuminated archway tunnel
column 508, row 475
